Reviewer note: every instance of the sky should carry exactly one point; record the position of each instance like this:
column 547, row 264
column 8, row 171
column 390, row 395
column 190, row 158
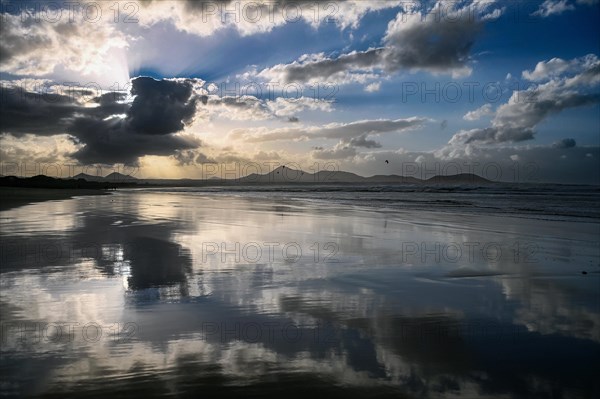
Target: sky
column 508, row 90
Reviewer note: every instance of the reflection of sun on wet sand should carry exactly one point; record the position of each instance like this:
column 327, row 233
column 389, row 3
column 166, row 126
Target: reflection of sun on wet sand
column 12, row 197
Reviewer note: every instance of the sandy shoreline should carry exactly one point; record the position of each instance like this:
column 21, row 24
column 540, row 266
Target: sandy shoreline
column 13, row 197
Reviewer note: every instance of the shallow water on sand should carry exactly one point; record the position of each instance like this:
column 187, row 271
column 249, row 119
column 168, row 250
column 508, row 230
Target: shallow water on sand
column 146, row 293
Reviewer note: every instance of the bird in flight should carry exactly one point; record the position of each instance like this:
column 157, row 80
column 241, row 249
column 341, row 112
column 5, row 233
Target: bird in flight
column 386, row 161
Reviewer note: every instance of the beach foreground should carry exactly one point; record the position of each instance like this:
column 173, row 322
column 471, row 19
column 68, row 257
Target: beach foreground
column 146, row 293
column 13, row 197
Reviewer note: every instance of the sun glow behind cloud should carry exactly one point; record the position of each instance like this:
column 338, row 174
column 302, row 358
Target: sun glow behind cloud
column 368, row 65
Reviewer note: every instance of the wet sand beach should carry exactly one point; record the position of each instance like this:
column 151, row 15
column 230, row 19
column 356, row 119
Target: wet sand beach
column 150, row 292
column 12, row 197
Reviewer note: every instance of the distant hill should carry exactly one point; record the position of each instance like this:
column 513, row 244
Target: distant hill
column 393, row 179
column 88, row 177
column 285, row 175
column 41, row 181
column 280, row 176
column 114, row 177
column 119, row 177
column 462, row 178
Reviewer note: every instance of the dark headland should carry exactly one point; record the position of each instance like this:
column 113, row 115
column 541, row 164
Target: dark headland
column 281, row 175
column 16, row 191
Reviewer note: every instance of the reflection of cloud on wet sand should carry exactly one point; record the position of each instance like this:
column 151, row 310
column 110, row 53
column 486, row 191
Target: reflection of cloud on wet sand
column 548, row 308
column 379, row 322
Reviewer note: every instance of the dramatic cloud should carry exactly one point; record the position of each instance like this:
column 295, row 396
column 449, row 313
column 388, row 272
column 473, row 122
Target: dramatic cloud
column 112, row 131
column 555, row 67
column 438, row 44
column 46, row 151
column 89, row 40
column 350, row 135
column 484, row 110
column 352, row 67
column 244, row 108
column 551, row 7
column 516, row 120
column 161, row 106
column 557, row 7
column 362, row 141
column 373, row 87
column 445, row 39
column 109, row 142
column 249, row 17
column 345, row 148
column 564, row 143
column 493, row 134
column 344, row 131
column 49, row 112
column 282, row 106
column 191, row 157
column 36, row 46
column 437, row 39
column 250, row 108
column 340, row 151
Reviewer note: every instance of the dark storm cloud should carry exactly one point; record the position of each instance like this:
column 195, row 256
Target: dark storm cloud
column 110, row 142
column 24, row 112
column 159, row 109
column 327, row 67
column 184, row 157
column 110, row 98
column 191, row 157
column 161, row 106
column 565, row 143
column 436, row 45
column 412, row 42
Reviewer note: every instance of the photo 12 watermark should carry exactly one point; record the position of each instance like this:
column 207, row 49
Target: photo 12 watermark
column 68, row 11
column 469, row 252
column 25, row 332
column 268, row 252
